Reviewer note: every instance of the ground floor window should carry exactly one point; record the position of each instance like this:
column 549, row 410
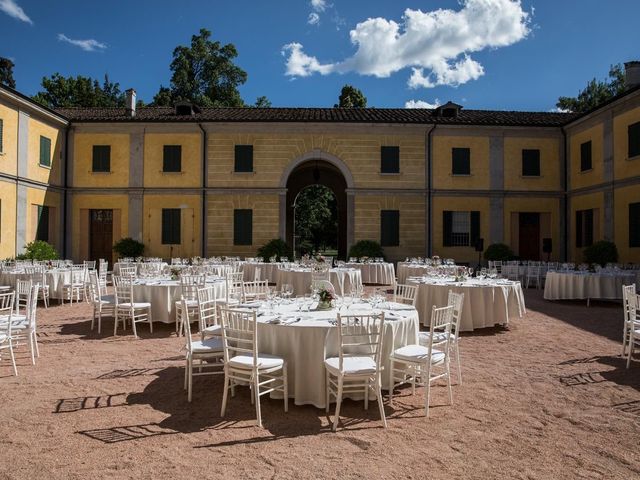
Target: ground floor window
column 171, row 226
column 584, row 228
column 634, row 224
column 461, row 228
column 389, row 228
column 42, row 228
column 243, row 227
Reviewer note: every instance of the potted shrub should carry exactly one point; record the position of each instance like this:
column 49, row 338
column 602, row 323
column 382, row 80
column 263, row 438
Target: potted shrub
column 366, row 248
column 498, row 251
column 128, row 247
column 276, row 247
column 38, row 250
column 601, row 252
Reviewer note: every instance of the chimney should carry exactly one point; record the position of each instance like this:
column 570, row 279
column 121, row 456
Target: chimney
column 131, row 102
column 632, row 74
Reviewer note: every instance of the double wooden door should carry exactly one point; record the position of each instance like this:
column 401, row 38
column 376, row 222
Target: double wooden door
column 101, row 235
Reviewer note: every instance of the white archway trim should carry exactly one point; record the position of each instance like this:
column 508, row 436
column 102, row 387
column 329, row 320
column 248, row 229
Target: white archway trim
column 317, row 154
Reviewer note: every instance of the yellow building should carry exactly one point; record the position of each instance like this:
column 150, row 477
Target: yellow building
column 187, row 181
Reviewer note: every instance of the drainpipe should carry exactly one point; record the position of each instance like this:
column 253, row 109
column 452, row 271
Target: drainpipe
column 565, row 187
column 429, row 191
column 203, row 212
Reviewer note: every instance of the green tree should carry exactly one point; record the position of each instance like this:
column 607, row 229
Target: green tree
column 262, row 102
column 6, row 72
column 351, row 97
column 59, row 91
column 596, row 92
column 204, row 74
column 316, row 218
column 163, row 98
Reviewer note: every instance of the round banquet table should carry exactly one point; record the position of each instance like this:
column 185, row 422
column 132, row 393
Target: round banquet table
column 375, row 273
column 343, row 279
column 585, row 285
column 55, row 278
column 163, row 295
column 117, row 265
column 486, row 302
column 268, row 271
column 408, row 269
column 307, row 342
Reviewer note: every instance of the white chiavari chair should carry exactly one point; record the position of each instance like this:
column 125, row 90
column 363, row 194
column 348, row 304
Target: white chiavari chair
column 127, row 308
column 102, row 304
column 6, row 323
column 533, row 273
column 75, row 288
column 189, row 285
column 629, row 311
column 634, row 330
column 405, row 294
column 24, row 325
column 256, row 290
column 208, row 311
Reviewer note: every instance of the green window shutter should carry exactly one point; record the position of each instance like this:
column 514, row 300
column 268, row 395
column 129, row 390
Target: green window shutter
column 171, row 225
column 530, row 163
column 585, row 156
column 634, row 139
column 461, row 161
column 42, row 230
column 243, row 227
column 389, row 159
column 588, row 228
column 447, row 227
column 474, row 234
column 634, row 224
column 45, row 151
column 172, row 158
column 579, row 229
column 1, row 136
column 243, row 158
column 101, row 161
column 389, row 228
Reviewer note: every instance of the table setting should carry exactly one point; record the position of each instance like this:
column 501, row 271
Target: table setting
column 343, row 279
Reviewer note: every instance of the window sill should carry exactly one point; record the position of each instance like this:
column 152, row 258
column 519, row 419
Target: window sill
column 390, row 174
column 531, row 176
column 243, row 173
column 589, row 170
column 100, row 173
column 461, row 175
column 635, row 157
column 171, row 173
column 48, row 167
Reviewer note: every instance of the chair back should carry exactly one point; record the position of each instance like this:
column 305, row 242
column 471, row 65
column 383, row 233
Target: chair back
column 89, row 264
column 629, row 302
column 456, row 301
column 239, row 334
column 317, row 275
column 256, row 290
column 360, row 335
column 6, row 312
column 23, row 295
column 189, row 285
column 235, row 285
column 187, row 326
column 257, row 273
column 123, row 289
column 128, row 270
column 405, row 294
column 440, row 327
column 32, row 306
column 94, row 287
column 208, row 306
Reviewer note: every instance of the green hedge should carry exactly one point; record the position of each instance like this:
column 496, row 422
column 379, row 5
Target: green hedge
column 498, row 251
column 277, row 247
column 39, row 250
column 366, row 248
column 601, row 252
column 128, row 247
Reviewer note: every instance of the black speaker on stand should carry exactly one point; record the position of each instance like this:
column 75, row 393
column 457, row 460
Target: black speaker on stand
column 547, row 247
column 480, row 249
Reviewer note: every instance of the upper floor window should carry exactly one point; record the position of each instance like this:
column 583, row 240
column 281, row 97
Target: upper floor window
column 530, row 163
column 389, row 228
column 584, row 228
column 389, row 159
column 243, row 227
column 460, row 229
column 634, row 224
column 634, row 139
column 461, row 161
column 171, row 226
column 101, row 158
column 585, row 156
column 45, row 151
column 243, row 158
column 172, row 158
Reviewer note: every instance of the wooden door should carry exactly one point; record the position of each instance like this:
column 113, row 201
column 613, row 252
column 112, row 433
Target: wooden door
column 101, row 235
column 529, row 237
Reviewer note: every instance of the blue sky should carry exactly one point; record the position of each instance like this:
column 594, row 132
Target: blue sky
column 488, row 54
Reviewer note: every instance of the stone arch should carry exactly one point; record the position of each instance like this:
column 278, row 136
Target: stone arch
column 317, row 154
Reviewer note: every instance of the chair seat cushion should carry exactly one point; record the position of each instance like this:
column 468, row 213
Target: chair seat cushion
column 423, row 338
column 136, row 305
column 210, row 345
column 73, row 285
column 212, row 330
column 418, row 354
column 351, row 365
column 108, row 298
column 190, row 303
column 264, row 361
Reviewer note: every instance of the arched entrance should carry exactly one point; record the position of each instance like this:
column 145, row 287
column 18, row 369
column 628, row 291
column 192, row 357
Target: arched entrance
column 320, row 171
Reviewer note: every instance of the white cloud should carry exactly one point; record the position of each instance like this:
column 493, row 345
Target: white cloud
column 11, row 8
column 319, row 5
column 438, row 41
column 560, row 110
column 89, row 45
column 301, row 65
column 314, row 19
column 421, row 104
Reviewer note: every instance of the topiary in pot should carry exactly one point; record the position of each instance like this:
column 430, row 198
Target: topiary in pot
column 498, row 251
column 128, row 247
column 39, row 250
column 601, row 252
column 366, row 248
column 277, row 247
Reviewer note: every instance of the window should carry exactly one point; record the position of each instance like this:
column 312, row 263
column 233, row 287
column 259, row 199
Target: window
column 460, row 229
column 634, row 139
column 634, row 224
column 389, row 228
column 244, row 158
column 530, row 163
column 389, row 159
column 243, row 227
column 1, row 136
column 461, row 161
column 172, row 158
column 585, row 156
column 45, row 151
column 171, row 226
column 42, row 228
column 101, row 158
column 584, row 228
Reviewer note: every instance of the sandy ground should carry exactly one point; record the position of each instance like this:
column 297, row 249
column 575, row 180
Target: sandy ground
column 548, row 397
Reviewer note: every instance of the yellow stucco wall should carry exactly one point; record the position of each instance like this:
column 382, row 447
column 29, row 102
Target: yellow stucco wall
column 622, row 198
column 465, row 204
column 83, row 158
column 9, row 154
column 412, row 215
column 594, row 176
column 191, row 174
column 220, row 222
column 550, row 164
column 50, row 175
column 623, row 166
column 585, row 202
column 7, row 219
column 190, row 232
column 441, row 167
column 274, row 151
column 542, row 205
column 51, row 199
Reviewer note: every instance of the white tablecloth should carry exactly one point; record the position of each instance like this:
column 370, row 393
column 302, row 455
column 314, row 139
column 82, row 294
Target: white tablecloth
column 306, row 344
column 485, row 303
column 376, row 273
column 406, row 270
column 54, row 278
column 163, row 294
column 577, row 285
column 341, row 278
column 268, row 271
column 117, row 265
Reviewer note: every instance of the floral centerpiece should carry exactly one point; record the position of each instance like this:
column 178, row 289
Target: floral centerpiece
column 175, row 273
column 325, row 296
